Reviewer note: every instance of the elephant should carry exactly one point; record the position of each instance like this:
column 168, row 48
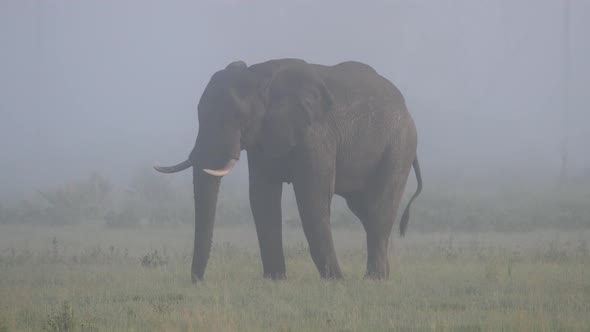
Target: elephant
column 341, row 129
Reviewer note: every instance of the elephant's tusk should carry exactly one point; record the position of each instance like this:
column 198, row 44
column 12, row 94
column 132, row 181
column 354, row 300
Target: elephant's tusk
column 223, row 171
column 176, row 168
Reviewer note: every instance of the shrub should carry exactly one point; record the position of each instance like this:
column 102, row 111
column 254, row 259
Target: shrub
column 154, row 259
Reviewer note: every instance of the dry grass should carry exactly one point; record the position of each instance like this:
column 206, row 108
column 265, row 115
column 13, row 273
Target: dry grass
column 88, row 278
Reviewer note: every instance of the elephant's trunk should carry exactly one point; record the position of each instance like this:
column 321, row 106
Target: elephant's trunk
column 206, row 189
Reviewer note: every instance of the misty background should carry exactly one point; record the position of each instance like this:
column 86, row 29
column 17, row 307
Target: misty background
column 112, row 86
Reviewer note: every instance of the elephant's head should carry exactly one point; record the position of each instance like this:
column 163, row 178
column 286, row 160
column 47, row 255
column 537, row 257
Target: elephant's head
column 267, row 106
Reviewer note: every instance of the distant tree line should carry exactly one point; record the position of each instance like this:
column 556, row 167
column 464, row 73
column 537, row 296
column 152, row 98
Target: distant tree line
column 151, row 199
column 148, row 199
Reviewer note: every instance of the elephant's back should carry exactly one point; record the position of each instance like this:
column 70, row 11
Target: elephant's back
column 355, row 66
column 353, row 82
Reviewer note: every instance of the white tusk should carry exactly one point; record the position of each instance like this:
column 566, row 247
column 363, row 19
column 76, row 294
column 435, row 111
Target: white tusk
column 223, row 171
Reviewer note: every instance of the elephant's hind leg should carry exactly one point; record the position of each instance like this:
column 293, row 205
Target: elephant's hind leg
column 381, row 203
column 377, row 227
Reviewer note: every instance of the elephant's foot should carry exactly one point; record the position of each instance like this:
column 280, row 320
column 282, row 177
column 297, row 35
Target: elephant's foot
column 332, row 276
column 327, row 265
column 197, row 272
column 275, row 275
column 195, row 278
column 378, row 271
column 331, row 272
column 376, row 276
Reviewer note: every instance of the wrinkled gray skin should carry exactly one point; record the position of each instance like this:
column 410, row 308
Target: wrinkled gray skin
column 340, row 129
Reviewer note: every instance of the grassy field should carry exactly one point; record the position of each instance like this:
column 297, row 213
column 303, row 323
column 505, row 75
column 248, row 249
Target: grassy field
column 88, row 278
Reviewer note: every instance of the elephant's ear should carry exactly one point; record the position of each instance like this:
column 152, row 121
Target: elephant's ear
column 316, row 101
column 296, row 98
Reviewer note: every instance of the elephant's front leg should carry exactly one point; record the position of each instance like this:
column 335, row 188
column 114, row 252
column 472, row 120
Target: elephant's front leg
column 265, row 202
column 314, row 188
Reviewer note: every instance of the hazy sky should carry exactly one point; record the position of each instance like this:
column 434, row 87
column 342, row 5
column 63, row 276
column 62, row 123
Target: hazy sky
column 113, row 85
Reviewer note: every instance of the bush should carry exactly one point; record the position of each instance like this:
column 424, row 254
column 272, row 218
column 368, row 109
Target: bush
column 154, row 259
column 78, row 200
column 154, row 198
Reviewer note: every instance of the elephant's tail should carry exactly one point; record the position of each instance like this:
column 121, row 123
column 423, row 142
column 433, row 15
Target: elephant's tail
column 406, row 216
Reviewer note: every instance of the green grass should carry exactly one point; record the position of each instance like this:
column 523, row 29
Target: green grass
column 87, row 278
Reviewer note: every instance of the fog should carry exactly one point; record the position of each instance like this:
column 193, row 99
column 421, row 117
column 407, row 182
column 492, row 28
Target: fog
column 112, row 86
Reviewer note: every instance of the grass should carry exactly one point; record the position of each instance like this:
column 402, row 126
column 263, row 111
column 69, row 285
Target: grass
column 87, row 278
